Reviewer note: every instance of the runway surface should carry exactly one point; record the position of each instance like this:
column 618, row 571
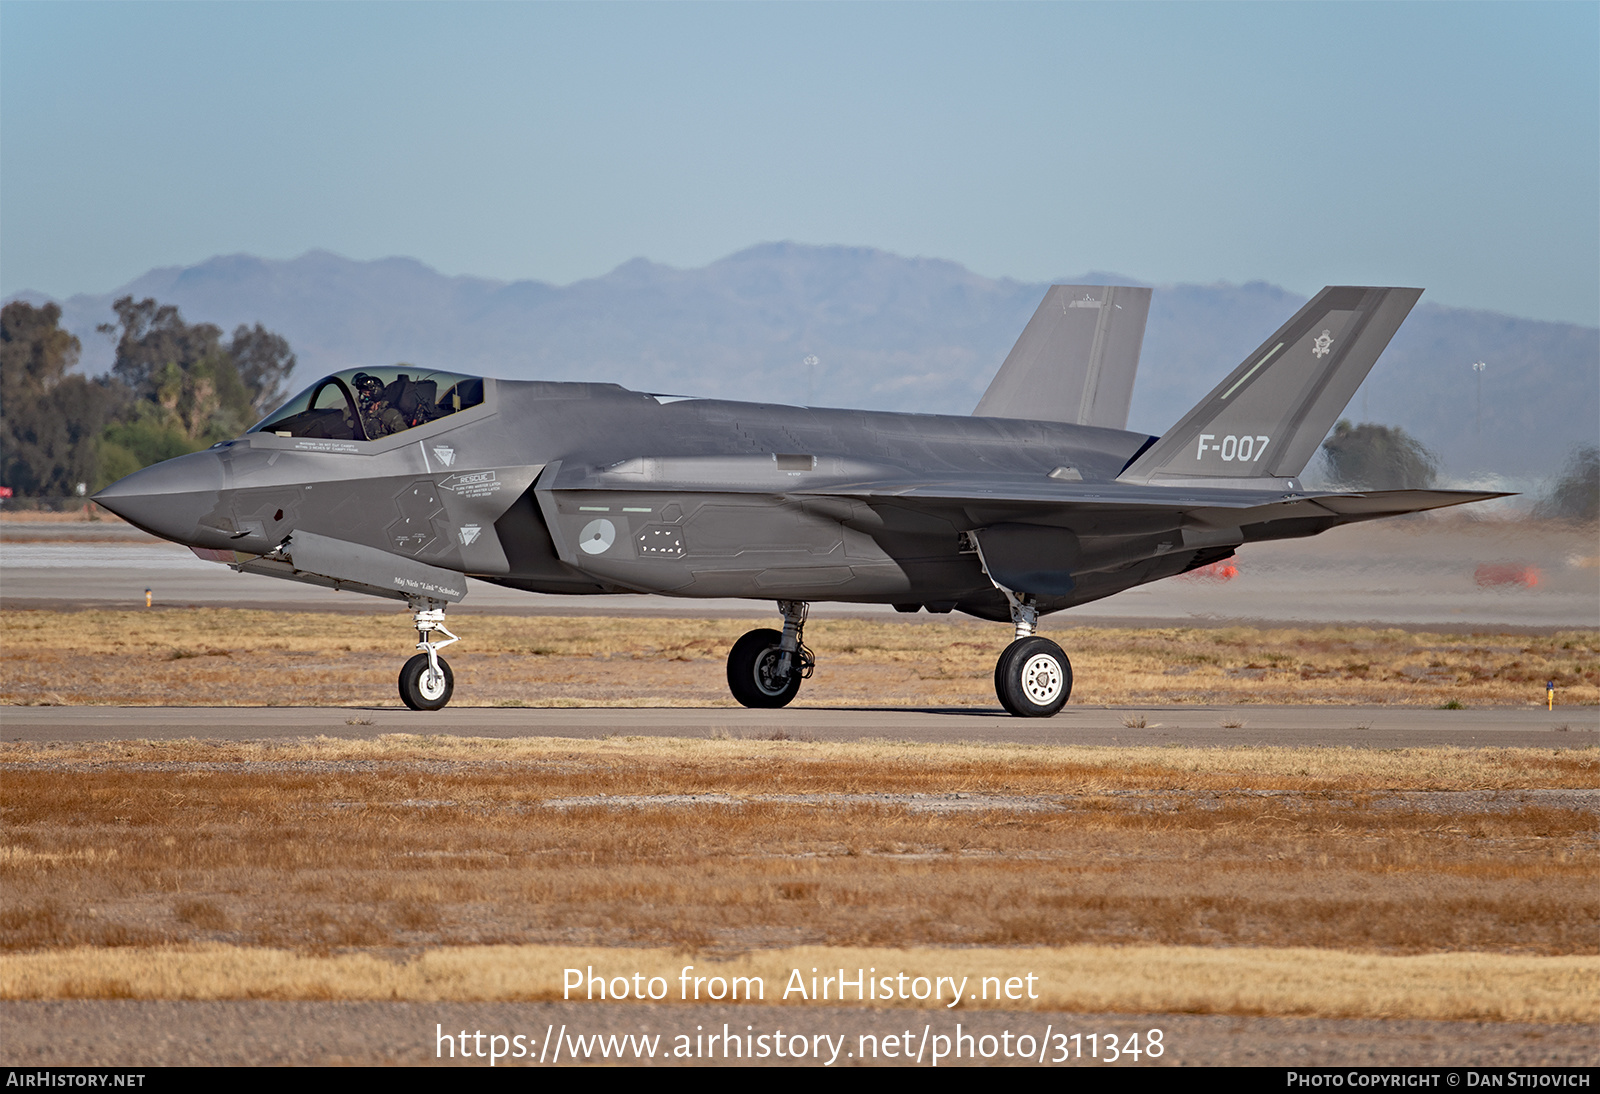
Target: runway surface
column 1201, row 726
column 1397, row 573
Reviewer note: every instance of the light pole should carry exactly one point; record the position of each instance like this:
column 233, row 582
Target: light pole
column 811, row 377
column 1478, row 367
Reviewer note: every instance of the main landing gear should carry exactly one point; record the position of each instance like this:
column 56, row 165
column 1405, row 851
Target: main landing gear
column 765, row 666
column 426, row 680
column 1033, row 677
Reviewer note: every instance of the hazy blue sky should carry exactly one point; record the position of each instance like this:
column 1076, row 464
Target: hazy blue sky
column 1452, row 146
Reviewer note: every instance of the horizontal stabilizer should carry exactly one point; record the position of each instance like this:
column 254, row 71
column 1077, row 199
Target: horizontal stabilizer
column 1393, row 503
column 1076, row 359
column 1268, row 417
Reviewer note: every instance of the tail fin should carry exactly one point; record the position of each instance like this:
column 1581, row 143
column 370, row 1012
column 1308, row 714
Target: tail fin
column 1076, row 359
column 1267, row 418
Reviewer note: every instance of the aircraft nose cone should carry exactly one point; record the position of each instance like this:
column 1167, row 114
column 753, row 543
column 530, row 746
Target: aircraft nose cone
column 170, row 499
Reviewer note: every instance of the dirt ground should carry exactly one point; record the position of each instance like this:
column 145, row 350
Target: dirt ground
column 222, row 657
column 1137, row 879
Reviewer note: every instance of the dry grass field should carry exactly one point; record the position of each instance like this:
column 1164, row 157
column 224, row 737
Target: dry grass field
column 1086, row 979
column 219, row 657
column 1185, row 878
column 1436, row 883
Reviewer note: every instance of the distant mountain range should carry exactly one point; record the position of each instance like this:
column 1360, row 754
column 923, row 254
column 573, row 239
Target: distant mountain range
column 888, row 332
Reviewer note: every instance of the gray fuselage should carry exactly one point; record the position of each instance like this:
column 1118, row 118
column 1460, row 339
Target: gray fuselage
column 697, row 497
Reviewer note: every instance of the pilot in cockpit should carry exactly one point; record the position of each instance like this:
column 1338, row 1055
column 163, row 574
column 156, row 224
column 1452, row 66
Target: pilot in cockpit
column 377, row 415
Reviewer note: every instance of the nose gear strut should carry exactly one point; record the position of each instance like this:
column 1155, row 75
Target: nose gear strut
column 426, row 680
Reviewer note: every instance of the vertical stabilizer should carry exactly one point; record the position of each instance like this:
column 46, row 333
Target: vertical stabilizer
column 1076, row 359
column 1268, row 417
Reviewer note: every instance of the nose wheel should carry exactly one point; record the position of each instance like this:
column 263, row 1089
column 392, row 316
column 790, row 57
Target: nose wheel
column 424, row 687
column 426, row 681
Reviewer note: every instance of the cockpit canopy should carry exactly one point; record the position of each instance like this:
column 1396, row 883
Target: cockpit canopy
column 368, row 403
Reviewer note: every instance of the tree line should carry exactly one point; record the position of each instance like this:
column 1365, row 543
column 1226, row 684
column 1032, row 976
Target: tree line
column 175, row 387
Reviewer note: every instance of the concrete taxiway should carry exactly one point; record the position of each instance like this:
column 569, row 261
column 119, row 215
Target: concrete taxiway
column 1201, row 726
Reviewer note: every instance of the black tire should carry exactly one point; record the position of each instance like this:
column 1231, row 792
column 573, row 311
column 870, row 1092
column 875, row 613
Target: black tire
column 750, row 665
column 418, row 692
column 1033, row 678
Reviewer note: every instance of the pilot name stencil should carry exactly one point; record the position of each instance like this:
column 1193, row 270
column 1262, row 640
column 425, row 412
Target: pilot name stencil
column 411, row 584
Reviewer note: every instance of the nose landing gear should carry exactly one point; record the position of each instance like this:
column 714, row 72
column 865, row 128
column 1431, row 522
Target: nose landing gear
column 426, row 681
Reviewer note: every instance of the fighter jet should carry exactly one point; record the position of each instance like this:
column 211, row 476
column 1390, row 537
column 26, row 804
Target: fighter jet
column 402, row 482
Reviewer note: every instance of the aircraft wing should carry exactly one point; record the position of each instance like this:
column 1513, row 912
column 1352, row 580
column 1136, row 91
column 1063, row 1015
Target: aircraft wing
column 1047, row 545
column 1037, row 535
column 1048, row 496
column 1033, row 494
column 1288, row 514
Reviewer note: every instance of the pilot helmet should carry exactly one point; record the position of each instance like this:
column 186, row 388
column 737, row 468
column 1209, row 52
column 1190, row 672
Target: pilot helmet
column 368, row 387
